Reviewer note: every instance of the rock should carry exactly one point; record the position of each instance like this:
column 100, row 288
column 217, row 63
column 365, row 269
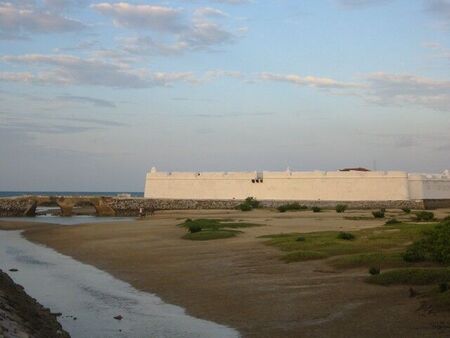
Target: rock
column 57, row 314
column 119, row 317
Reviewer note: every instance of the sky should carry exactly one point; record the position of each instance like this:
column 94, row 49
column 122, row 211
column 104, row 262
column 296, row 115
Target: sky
column 93, row 94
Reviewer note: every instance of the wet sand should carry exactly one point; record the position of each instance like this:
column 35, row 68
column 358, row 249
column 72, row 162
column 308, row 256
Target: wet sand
column 240, row 282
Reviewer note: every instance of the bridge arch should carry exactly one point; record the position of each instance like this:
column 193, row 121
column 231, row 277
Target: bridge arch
column 85, row 207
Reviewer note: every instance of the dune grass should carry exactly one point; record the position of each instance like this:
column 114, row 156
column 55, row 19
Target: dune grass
column 380, row 246
column 208, row 229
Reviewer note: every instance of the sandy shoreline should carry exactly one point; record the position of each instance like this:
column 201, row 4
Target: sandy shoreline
column 241, row 282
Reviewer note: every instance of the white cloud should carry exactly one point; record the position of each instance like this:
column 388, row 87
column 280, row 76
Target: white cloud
column 402, row 89
column 209, row 12
column 159, row 18
column 73, row 70
column 16, row 20
column 310, row 81
column 361, row 3
column 380, row 88
column 181, row 33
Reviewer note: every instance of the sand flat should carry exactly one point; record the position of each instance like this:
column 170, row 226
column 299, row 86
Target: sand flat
column 240, row 282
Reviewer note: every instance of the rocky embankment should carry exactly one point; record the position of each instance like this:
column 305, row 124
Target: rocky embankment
column 22, row 316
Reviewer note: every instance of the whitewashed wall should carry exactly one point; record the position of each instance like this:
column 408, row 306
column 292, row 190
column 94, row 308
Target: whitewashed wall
column 317, row 185
column 429, row 186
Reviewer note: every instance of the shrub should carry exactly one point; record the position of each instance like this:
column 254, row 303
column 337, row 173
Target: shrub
column 378, row 214
column 300, row 239
column 434, row 246
column 406, row 210
column 346, row 236
column 193, row 228
column 374, row 270
column 291, row 207
column 316, row 209
column 412, row 276
column 424, row 216
column 250, row 203
column 341, row 208
column 244, row 207
column 415, row 253
column 392, row 221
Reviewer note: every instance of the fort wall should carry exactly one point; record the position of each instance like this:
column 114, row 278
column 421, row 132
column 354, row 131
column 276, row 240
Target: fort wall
column 298, row 186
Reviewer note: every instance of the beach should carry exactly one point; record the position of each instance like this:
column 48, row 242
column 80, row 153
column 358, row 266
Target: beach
column 241, row 282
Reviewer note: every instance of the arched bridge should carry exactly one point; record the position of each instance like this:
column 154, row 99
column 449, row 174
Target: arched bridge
column 66, row 204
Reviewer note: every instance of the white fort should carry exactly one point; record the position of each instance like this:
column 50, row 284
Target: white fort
column 349, row 185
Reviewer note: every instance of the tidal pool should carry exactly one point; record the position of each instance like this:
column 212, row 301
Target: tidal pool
column 94, row 297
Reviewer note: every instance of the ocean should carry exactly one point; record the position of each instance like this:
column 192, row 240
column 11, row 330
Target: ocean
column 69, row 193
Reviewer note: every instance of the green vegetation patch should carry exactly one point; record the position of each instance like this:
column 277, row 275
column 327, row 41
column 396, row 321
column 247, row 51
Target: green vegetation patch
column 206, row 229
column 249, row 204
column 303, row 255
column 392, row 221
column 381, row 259
column 365, row 247
column 216, row 224
column 292, row 207
column 378, row 214
column 434, row 246
column 412, row 276
column 424, row 216
column 341, row 208
column 211, row 234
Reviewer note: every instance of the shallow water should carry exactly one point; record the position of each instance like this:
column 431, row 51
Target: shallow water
column 95, row 297
column 81, row 219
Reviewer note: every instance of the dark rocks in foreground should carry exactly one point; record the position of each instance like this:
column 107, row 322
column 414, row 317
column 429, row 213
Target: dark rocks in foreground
column 22, row 316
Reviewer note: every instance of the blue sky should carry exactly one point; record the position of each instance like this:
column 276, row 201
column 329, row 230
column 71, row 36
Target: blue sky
column 93, row 94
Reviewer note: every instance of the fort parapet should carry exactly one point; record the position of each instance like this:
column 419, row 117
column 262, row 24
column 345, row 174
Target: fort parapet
column 313, row 187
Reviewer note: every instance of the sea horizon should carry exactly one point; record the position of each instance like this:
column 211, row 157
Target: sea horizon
column 70, row 193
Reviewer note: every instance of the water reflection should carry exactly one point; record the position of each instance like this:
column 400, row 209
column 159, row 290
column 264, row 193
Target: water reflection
column 94, row 297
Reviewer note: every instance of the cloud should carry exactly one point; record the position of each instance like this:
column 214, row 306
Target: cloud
column 86, row 99
column 379, row 88
column 401, row 89
column 308, row 81
column 73, row 70
column 200, row 36
column 159, row 18
column 180, row 33
column 354, row 4
column 209, row 12
column 16, row 21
